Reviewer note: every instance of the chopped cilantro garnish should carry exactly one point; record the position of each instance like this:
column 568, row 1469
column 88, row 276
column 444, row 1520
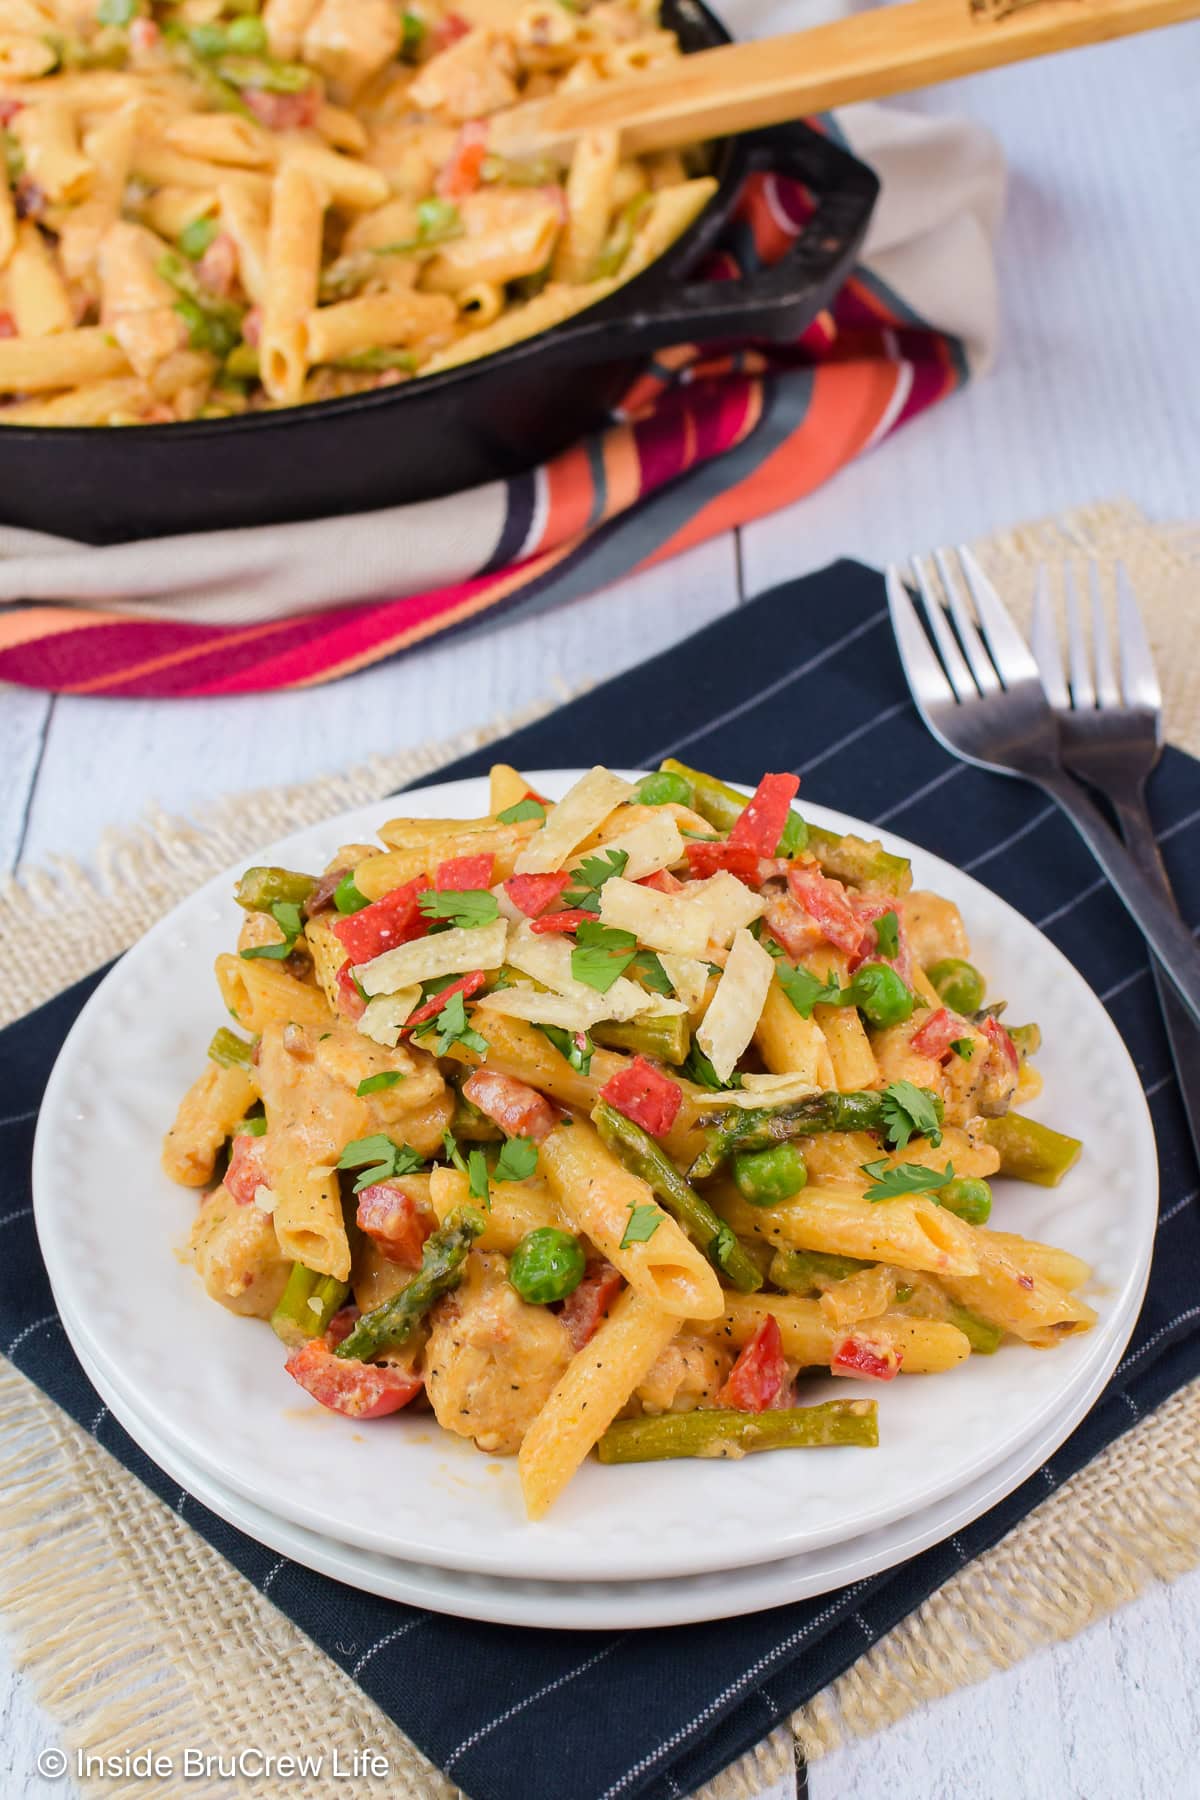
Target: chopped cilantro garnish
column 576, row 1046
column 385, row 1157
column 413, row 35
column 528, row 808
column 451, row 1027
column 697, row 1068
column 591, row 874
column 474, row 1167
column 905, row 1178
column 804, row 989
column 601, row 955
column 386, row 1078
column 517, row 1160
column 644, row 1221
column 910, row 1111
column 651, row 973
column 887, row 935
column 963, row 1047
column 469, row 907
column 286, row 915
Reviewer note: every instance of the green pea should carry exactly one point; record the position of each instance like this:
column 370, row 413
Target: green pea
column 546, row 1265
column 767, row 1177
column 346, row 896
column 247, row 35
column 207, row 40
column 665, row 789
column 970, row 1200
column 959, row 984
column 880, row 995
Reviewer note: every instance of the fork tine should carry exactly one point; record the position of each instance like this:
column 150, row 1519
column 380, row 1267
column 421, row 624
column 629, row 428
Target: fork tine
column 1043, row 636
column 1083, row 694
column 968, row 634
column 1010, row 652
column 943, row 637
column 1138, row 676
column 1107, row 691
column 925, row 675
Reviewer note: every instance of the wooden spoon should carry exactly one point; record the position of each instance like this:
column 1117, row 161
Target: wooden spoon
column 891, row 50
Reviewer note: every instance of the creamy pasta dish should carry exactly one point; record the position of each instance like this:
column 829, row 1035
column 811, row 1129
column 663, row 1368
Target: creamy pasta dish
column 594, row 1126
column 207, row 208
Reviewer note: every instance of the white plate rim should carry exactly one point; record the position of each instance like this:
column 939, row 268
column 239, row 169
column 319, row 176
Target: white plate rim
column 637, row 1605
column 645, row 1561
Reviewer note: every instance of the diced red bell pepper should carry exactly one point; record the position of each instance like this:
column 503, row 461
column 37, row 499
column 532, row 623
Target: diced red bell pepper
column 662, row 881
column 285, row 112
column 939, row 1031
column 458, row 874
column 828, row 904
column 869, row 1362
column 791, row 926
column 517, row 1108
column 395, row 1221
column 996, row 1035
column 449, row 29
column 464, row 171
column 532, row 894
column 247, row 1171
column 8, row 325
column 762, row 823
column 466, row 985
column 585, row 1310
column 570, row 920
column 349, row 1001
column 358, row 1390
column 710, row 858
column 144, row 35
column 644, row 1094
column 341, row 1325
column 395, row 919
column 760, row 1372
column 9, row 110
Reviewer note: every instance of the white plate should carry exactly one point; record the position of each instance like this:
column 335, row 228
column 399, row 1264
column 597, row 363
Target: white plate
column 613, row 1606
column 109, row 1223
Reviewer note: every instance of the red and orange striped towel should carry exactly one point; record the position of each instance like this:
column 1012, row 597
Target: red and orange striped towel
column 704, row 442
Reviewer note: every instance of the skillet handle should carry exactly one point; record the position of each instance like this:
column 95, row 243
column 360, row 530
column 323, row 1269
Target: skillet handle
column 778, row 302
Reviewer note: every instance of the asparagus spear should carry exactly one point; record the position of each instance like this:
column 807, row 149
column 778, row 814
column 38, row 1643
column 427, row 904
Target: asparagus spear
column 757, row 1128
column 802, row 1271
column 442, row 1259
column 307, row 1304
column 1031, row 1151
column 863, row 862
column 229, row 1050
column 721, row 1433
column 666, row 1038
column 261, row 889
column 642, row 1157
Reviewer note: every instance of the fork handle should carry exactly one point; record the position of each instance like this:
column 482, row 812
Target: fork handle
column 1182, row 1035
column 1159, row 923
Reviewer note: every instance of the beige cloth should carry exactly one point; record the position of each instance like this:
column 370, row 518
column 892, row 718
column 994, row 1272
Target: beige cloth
column 139, row 1635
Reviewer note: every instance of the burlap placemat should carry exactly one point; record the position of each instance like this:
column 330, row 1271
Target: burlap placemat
column 139, row 1635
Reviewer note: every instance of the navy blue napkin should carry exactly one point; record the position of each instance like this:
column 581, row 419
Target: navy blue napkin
column 805, row 677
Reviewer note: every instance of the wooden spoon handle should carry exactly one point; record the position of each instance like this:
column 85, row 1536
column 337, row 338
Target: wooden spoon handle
column 890, row 50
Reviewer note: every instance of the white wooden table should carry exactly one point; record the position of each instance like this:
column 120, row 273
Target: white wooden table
column 1096, row 394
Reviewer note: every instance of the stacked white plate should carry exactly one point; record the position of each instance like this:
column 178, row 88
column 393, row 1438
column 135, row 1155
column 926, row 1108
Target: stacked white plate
column 400, row 1508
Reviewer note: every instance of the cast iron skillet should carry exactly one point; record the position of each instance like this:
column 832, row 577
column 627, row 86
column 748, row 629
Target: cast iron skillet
column 469, row 425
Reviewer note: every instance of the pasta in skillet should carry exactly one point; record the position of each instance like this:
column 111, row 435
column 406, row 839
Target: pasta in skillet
column 591, row 1125
column 208, row 208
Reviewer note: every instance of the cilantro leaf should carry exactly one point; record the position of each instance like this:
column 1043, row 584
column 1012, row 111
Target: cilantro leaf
column 528, row 808
column 576, row 1046
column 652, row 973
column 517, row 1160
column 963, row 1047
column 477, row 1179
column 453, row 1153
column 592, row 873
column 889, row 1183
column 804, row 989
column 601, row 954
column 887, row 936
column 644, row 1221
column 469, row 907
column 910, row 1111
column 697, row 1068
column 286, row 915
column 386, row 1078
column 451, row 1027
column 385, row 1157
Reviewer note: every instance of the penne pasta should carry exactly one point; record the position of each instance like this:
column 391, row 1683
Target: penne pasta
column 307, row 1215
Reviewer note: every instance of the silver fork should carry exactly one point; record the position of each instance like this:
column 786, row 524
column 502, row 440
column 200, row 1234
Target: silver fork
column 980, row 694
column 1110, row 735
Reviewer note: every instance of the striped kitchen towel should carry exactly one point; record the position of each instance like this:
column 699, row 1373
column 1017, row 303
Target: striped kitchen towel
column 703, row 442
